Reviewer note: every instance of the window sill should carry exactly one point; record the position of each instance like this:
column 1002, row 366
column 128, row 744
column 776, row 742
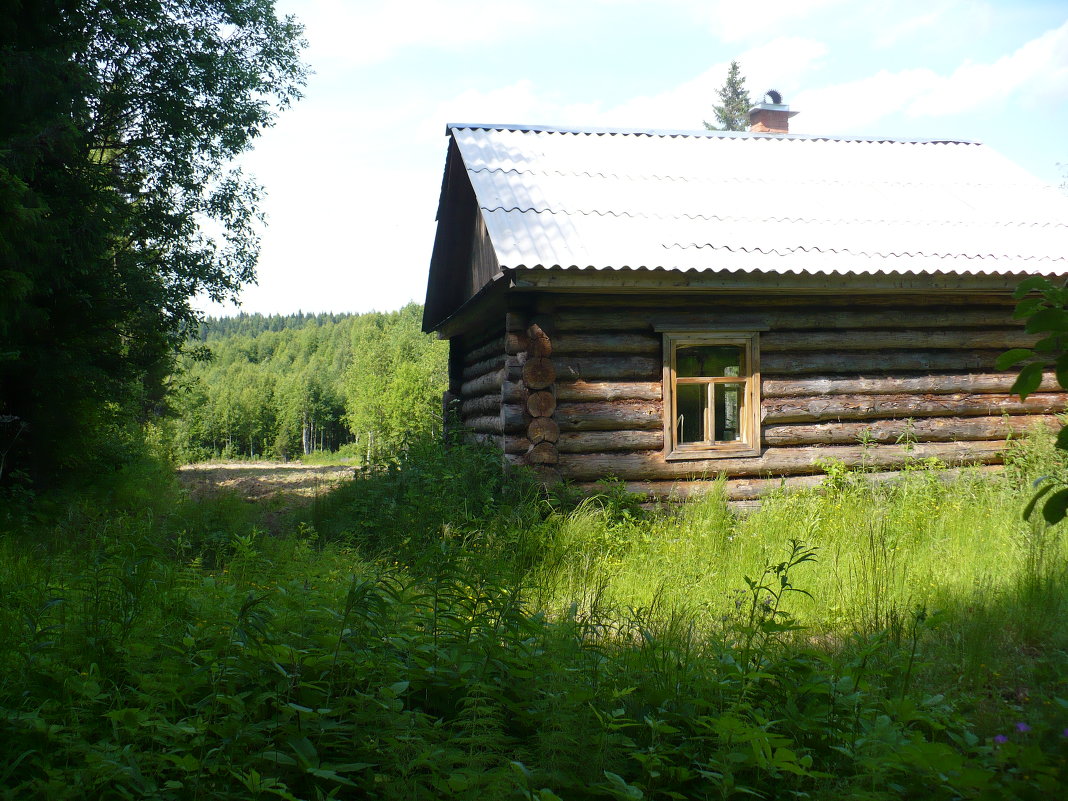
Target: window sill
column 717, row 452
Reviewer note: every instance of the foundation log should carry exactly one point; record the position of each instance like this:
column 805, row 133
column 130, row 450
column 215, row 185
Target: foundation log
column 744, row 489
column 650, row 465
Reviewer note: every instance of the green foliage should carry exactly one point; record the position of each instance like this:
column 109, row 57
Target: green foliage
column 430, row 490
column 280, row 387
column 733, row 112
column 1044, row 305
column 393, row 385
column 118, row 119
column 399, row 643
column 244, row 324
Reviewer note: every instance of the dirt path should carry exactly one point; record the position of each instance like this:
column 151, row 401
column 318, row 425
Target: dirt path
column 288, row 485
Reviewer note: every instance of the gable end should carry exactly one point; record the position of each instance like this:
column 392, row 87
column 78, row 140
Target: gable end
column 463, row 260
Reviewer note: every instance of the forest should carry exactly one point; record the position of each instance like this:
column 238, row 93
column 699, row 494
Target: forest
column 281, row 387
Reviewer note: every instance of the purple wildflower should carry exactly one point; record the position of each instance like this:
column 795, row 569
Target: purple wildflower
column 1022, row 727
column 1000, row 738
column 1064, row 733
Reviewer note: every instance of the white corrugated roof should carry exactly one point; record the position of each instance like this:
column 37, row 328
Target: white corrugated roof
column 680, row 201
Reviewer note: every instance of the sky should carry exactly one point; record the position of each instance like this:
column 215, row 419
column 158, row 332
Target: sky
column 352, row 172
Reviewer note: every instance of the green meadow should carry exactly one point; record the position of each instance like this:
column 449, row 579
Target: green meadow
column 433, row 629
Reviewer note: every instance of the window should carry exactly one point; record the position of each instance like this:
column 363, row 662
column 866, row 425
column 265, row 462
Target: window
column 711, row 395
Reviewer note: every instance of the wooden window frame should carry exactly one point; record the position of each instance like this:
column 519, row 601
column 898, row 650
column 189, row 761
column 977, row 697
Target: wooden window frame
column 749, row 442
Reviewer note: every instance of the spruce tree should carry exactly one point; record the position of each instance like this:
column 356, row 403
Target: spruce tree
column 733, row 114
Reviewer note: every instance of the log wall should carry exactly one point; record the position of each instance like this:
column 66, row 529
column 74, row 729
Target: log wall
column 873, row 381
column 503, row 384
column 529, row 404
column 477, row 370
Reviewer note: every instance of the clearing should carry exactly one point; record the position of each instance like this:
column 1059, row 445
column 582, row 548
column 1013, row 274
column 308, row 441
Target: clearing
column 293, row 483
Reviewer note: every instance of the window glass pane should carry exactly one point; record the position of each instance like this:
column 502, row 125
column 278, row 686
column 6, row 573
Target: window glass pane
column 709, row 361
column 728, row 412
column 691, row 401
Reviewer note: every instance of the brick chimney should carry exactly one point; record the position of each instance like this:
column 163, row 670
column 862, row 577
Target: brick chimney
column 771, row 115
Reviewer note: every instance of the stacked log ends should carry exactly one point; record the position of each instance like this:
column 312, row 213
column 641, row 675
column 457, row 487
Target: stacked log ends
column 540, row 344
column 543, row 429
column 541, row 403
column 538, row 373
column 543, row 453
column 539, row 377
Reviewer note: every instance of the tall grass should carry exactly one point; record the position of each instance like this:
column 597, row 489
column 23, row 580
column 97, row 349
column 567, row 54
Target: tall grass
column 884, row 549
column 403, row 639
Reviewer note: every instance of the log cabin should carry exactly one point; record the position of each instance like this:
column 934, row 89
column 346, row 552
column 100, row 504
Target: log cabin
column 668, row 307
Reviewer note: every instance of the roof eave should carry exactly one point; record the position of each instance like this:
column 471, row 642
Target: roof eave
column 625, row 280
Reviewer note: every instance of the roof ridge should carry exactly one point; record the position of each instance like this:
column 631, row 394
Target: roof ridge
column 673, row 133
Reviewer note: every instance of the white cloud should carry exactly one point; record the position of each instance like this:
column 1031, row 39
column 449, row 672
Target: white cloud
column 732, row 20
column 1035, row 73
column 921, row 24
column 343, row 32
column 893, row 34
column 849, row 107
column 1038, row 70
